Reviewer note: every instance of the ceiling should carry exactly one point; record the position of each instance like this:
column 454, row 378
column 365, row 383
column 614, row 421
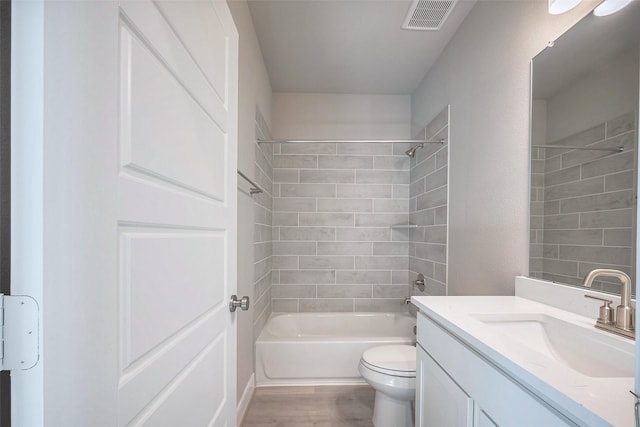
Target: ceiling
column 347, row 46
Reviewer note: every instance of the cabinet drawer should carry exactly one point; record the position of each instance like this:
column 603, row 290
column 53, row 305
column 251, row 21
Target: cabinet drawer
column 501, row 398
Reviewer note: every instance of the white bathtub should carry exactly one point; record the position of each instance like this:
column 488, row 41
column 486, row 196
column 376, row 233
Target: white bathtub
column 324, row 348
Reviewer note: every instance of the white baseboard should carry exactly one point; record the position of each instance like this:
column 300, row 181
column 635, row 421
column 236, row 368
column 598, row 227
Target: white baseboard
column 245, row 399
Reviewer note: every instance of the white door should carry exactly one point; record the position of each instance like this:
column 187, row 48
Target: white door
column 135, row 188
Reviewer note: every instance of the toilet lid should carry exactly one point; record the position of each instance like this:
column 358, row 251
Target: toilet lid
column 399, row 360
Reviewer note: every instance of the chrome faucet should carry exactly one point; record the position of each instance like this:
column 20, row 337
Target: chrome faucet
column 623, row 323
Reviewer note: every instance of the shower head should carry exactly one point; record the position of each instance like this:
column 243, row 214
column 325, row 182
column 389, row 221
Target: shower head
column 411, row 152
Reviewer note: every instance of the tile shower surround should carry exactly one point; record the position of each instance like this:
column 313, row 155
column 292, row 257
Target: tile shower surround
column 583, row 204
column 428, row 209
column 333, row 248
column 263, row 229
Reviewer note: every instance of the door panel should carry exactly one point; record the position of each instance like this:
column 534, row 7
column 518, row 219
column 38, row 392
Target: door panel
column 134, row 211
column 176, row 214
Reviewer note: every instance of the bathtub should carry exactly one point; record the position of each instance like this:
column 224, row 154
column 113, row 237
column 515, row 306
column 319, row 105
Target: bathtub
column 324, row 348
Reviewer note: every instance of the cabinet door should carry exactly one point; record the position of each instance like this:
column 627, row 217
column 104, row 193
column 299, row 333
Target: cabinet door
column 439, row 400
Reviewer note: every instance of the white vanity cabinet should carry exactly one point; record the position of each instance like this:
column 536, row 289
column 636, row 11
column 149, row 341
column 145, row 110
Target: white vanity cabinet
column 458, row 387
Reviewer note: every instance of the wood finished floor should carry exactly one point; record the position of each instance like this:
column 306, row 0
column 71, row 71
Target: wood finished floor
column 314, row 406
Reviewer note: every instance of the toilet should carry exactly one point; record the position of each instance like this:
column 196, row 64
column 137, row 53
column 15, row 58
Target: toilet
column 391, row 371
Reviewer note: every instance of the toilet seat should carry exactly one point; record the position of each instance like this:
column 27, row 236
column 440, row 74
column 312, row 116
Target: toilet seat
column 393, row 360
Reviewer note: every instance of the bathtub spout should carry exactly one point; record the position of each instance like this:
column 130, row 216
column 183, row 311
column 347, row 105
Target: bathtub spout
column 407, row 301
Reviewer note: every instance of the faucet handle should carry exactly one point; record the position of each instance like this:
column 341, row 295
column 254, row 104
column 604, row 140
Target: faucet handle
column 605, row 315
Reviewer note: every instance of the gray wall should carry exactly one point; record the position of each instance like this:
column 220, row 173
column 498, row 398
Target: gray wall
column 428, row 208
column 334, row 204
column 483, row 74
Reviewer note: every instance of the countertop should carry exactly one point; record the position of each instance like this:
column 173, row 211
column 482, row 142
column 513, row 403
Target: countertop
column 591, row 400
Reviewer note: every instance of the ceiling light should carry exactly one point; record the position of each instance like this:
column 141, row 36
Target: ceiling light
column 608, row 7
column 561, row 6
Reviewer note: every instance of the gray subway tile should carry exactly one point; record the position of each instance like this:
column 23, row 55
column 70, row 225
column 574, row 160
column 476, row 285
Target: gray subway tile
column 327, row 176
column 365, row 148
column 296, row 162
column 307, row 233
column 363, row 277
column 284, row 305
column 380, row 305
column 294, row 248
column 344, row 248
column 400, row 277
column 326, row 219
column 285, row 175
column 441, row 215
column 381, row 262
column 293, row 291
column 436, row 179
column 442, row 157
column 561, row 267
column 345, row 205
column 291, row 204
column 345, row 162
column 307, row 262
column 610, row 255
column 433, row 252
column 365, row 191
column 284, row 262
column 607, row 219
column 435, row 234
column 432, row 199
column 390, row 291
column 550, row 251
column 308, row 190
column 344, row 291
column 618, row 237
column 307, row 276
column 391, row 205
column 598, row 202
column 619, row 181
column 417, row 187
column 562, row 176
column 573, row 237
column 363, row 234
column 382, row 177
column 609, row 164
column 390, row 248
column 285, row 218
column 400, row 191
column 423, row 217
column 440, row 272
column 575, row 189
column 391, row 162
column 325, row 305
column 306, row 148
column 381, row 220
column 423, row 266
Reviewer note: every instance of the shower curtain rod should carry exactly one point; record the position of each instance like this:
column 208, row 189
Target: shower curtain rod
column 346, row 141
column 571, row 147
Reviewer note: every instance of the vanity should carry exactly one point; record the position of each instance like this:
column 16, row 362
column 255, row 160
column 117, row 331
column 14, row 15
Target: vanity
column 533, row 359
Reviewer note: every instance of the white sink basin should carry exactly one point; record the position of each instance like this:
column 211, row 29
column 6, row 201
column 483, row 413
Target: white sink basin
column 589, row 351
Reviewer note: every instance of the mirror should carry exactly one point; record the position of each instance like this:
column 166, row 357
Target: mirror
column 583, row 188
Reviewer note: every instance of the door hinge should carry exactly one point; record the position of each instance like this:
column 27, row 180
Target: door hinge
column 19, row 332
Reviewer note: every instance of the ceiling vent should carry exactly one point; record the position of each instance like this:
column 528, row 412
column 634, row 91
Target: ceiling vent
column 428, row 14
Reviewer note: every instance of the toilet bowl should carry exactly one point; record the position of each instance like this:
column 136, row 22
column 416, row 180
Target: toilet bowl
column 391, row 371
